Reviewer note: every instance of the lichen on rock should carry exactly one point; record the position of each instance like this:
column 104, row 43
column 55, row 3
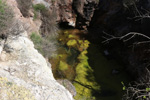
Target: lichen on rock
column 11, row 91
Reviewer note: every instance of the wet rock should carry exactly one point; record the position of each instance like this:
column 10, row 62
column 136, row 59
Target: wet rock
column 114, row 71
column 106, row 53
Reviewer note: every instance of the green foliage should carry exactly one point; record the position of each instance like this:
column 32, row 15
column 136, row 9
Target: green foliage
column 2, row 7
column 144, row 97
column 124, row 87
column 39, row 7
column 36, row 38
column 147, row 89
column 6, row 17
column 45, row 45
column 35, row 15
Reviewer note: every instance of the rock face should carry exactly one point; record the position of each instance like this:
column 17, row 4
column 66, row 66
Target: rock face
column 108, row 17
column 84, row 10
column 76, row 13
column 28, row 23
column 68, row 85
column 25, row 74
column 62, row 8
column 117, row 18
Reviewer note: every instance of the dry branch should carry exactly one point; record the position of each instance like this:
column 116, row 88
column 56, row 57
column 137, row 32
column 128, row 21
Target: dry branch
column 126, row 37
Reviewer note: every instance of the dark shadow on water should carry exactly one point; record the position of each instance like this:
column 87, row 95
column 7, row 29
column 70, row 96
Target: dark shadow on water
column 108, row 74
column 105, row 93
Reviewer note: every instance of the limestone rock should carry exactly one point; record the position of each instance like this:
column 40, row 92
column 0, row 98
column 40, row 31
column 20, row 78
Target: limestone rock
column 25, row 74
column 68, row 85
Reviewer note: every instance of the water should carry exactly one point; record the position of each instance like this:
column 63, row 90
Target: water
column 111, row 87
column 108, row 72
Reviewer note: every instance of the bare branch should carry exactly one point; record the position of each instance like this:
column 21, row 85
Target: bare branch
column 139, row 90
column 127, row 37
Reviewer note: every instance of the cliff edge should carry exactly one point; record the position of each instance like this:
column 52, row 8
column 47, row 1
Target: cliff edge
column 24, row 73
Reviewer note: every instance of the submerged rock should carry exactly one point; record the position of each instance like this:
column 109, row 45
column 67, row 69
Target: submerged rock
column 114, row 71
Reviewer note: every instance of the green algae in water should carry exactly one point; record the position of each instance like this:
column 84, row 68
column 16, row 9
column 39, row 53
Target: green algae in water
column 71, row 43
column 93, row 70
column 76, row 51
column 63, row 66
column 85, row 81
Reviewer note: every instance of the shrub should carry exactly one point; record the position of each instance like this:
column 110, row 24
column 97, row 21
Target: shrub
column 49, row 46
column 45, row 45
column 49, row 24
column 36, row 38
column 24, row 6
column 35, row 15
column 6, row 18
column 39, row 7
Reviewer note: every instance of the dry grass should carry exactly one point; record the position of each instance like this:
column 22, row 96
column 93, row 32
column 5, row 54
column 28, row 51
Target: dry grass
column 6, row 18
column 24, row 6
column 49, row 24
column 64, row 2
